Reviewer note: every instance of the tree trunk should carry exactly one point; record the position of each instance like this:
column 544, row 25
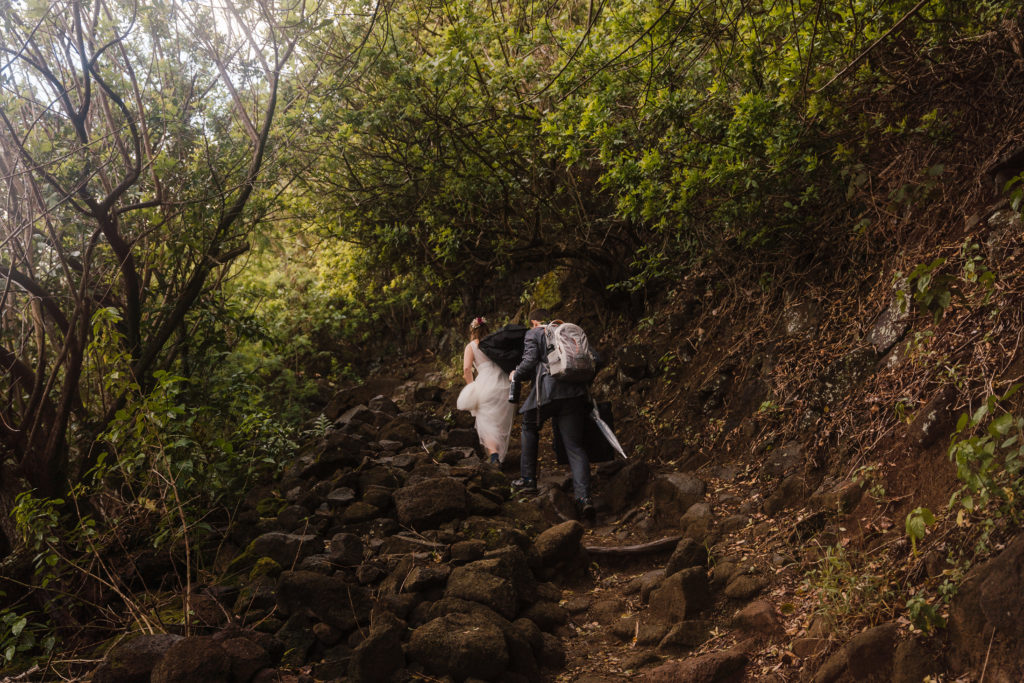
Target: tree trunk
column 9, row 488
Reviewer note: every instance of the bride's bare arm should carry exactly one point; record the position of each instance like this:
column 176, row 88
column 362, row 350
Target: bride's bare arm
column 467, row 363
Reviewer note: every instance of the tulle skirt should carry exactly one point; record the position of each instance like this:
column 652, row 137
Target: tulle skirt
column 487, row 399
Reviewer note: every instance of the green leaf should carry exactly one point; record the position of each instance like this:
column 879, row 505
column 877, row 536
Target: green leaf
column 19, row 626
column 1001, row 425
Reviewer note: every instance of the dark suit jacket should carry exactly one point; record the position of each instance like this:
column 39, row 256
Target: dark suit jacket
column 534, row 367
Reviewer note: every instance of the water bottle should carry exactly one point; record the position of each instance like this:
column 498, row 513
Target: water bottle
column 514, row 389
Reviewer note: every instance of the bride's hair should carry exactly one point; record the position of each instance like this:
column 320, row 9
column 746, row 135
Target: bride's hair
column 478, row 328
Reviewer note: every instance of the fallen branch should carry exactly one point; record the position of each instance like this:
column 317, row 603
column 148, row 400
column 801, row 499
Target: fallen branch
column 420, row 541
column 914, row 10
column 22, row 676
column 657, row 546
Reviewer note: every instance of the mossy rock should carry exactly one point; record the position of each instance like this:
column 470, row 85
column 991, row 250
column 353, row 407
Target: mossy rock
column 269, row 507
column 242, row 562
column 172, row 618
column 265, row 566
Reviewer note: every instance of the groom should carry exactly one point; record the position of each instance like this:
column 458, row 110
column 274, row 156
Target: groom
column 563, row 402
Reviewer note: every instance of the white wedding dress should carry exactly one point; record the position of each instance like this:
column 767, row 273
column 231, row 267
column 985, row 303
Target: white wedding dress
column 486, row 398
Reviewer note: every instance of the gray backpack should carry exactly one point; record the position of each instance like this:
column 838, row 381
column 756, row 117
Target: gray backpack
column 568, row 353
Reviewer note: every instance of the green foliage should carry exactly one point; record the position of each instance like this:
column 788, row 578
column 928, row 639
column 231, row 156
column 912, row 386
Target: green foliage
column 170, row 457
column 318, row 429
column 36, row 520
column 977, row 272
column 845, row 592
column 306, row 311
column 931, row 290
column 869, row 477
column 545, row 291
column 923, row 614
column 630, row 140
column 178, row 461
column 916, row 523
column 424, row 164
column 988, row 450
column 933, row 286
column 1014, row 188
column 21, row 635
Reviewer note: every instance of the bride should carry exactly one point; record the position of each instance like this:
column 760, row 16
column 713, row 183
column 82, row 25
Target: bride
column 486, row 397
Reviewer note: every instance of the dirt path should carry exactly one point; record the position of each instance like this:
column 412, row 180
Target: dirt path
column 611, row 635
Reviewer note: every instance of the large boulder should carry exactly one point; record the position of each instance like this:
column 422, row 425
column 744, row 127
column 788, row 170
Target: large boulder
column 626, row 487
column 268, row 644
column 298, row 637
column 383, row 404
column 758, row 618
column 673, row 495
column 724, row 665
column 461, row 646
column 429, row 503
column 472, row 583
column 686, row 635
column 132, row 660
column 361, row 393
column 193, row 659
column 285, row 549
column 425, row 577
column 380, row 654
column 559, row 543
column 680, row 595
column 986, row 622
column 524, row 641
column 346, row 550
column 866, row 656
column 246, row 657
column 697, row 523
column 688, row 553
column 340, row 497
column 745, row 585
column 547, row 615
column 916, row 659
column 401, row 431
column 427, row 393
column 465, row 438
column 330, row 599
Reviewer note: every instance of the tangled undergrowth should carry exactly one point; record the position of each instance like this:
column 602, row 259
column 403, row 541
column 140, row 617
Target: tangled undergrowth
column 932, row 252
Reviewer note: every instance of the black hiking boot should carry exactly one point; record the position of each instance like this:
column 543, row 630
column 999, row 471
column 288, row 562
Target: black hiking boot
column 585, row 510
column 524, row 486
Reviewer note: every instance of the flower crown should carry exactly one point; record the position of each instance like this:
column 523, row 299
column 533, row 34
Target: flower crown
column 477, row 322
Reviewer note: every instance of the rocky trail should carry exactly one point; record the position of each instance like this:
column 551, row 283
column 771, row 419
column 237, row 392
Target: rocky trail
column 390, row 552
column 744, row 539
